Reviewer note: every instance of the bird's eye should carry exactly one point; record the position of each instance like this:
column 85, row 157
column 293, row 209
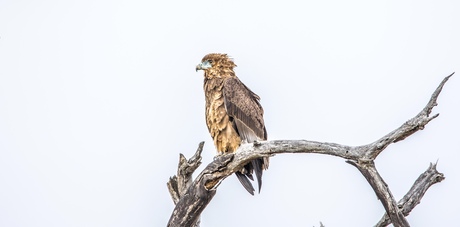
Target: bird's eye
column 210, row 61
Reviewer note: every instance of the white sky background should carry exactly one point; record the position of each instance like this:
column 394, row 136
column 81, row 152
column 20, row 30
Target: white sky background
column 97, row 99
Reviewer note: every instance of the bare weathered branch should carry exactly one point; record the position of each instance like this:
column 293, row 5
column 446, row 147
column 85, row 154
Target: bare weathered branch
column 382, row 191
column 430, row 177
column 203, row 188
column 178, row 184
column 409, row 127
column 198, row 196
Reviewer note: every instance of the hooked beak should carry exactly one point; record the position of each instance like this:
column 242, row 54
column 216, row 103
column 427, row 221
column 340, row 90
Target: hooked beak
column 199, row 67
column 203, row 66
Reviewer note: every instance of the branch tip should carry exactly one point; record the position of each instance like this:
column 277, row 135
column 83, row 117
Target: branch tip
column 182, row 158
column 200, row 148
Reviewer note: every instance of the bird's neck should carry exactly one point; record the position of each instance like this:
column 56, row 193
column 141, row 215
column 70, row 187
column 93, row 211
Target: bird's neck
column 219, row 73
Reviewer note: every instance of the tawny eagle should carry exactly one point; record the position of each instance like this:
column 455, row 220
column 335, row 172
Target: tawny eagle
column 233, row 114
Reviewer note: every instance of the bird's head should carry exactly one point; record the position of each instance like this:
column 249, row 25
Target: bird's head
column 216, row 62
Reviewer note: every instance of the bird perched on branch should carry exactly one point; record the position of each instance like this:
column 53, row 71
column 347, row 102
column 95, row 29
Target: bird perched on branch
column 233, row 114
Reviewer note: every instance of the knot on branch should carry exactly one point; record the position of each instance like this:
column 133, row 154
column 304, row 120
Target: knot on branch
column 215, row 172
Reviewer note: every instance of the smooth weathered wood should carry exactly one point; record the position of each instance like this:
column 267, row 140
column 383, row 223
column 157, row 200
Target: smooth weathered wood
column 202, row 190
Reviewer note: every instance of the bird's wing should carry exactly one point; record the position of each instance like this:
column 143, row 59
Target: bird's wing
column 244, row 109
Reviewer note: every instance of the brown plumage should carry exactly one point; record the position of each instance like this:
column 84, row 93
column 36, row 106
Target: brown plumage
column 233, row 114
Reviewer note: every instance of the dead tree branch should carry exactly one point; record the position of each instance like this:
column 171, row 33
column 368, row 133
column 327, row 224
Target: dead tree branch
column 203, row 189
column 383, row 192
column 178, row 184
column 414, row 196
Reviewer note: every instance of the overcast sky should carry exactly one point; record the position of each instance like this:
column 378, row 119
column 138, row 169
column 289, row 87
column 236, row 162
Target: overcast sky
column 98, row 98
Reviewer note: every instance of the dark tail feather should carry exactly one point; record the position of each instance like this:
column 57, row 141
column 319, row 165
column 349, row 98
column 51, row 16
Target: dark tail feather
column 258, row 164
column 245, row 182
